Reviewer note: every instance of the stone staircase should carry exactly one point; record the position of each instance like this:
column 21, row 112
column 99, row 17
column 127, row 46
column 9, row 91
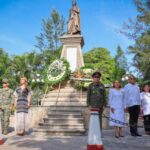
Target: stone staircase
column 65, row 114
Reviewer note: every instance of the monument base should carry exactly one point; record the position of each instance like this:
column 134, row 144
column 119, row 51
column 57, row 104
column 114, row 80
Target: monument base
column 72, row 50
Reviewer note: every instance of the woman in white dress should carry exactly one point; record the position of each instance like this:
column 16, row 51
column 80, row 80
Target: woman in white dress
column 145, row 106
column 117, row 108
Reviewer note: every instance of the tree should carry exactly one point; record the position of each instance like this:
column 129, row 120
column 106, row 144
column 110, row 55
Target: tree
column 139, row 31
column 24, row 65
column 52, row 29
column 120, row 64
column 49, row 56
column 4, row 64
column 100, row 59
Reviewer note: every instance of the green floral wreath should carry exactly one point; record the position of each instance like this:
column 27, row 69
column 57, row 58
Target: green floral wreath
column 58, row 71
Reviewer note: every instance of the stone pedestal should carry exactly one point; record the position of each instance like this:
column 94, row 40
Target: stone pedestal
column 72, row 50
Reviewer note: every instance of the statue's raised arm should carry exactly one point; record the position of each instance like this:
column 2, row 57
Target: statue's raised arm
column 74, row 19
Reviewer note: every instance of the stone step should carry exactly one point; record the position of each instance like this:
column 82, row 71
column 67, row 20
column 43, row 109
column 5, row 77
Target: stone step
column 72, row 113
column 65, row 90
column 74, row 103
column 62, row 127
column 61, row 124
column 62, row 111
column 67, row 108
column 65, row 113
column 63, row 104
column 63, row 120
column 66, row 94
column 66, row 99
column 60, row 132
column 68, row 116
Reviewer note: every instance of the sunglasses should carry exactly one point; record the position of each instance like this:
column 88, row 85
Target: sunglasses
column 96, row 77
column 132, row 78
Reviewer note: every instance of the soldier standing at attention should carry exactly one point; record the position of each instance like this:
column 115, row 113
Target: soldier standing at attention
column 96, row 96
column 6, row 101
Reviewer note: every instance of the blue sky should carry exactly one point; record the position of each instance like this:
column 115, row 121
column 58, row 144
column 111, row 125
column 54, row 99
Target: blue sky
column 20, row 22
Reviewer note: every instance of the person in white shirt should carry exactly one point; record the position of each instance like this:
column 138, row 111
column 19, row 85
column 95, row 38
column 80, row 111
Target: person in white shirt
column 132, row 102
column 117, row 108
column 145, row 106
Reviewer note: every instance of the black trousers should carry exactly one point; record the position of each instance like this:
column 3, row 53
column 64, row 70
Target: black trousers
column 147, row 123
column 134, row 112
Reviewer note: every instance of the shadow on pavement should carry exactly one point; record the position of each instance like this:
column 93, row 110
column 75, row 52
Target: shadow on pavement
column 48, row 143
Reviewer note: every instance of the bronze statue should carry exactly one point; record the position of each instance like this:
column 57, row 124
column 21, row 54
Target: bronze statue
column 74, row 19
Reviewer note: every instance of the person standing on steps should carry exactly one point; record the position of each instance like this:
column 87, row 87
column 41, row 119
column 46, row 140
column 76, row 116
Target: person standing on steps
column 132, row 102
column 96, row 95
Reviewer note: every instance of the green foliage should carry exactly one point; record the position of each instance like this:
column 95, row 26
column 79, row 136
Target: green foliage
column 80, row 84
column 100, row 60
column 120, row 64
column 37, row 95
column 139, row 31
column 52, row 29
column 81, row 78
column 4, row 64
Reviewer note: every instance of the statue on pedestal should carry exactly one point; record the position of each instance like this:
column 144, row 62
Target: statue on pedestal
column 74, row 19
column 73, row 40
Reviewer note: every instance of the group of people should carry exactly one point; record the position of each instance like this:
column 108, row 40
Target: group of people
column 121, row 100
column 19, row 101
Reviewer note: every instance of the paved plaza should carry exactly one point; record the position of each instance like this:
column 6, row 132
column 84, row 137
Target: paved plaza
column 38, row 142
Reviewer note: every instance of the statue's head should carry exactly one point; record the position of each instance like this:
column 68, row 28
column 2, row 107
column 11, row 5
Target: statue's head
column 74, row 3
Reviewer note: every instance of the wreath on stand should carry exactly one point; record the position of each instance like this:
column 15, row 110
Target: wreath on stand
column 58, row 71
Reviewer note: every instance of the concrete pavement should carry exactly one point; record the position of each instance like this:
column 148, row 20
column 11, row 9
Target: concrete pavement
column 38, row 142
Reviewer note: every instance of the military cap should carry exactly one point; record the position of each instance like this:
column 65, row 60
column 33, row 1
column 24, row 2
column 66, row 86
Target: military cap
column 5, row 80
column 96, row 74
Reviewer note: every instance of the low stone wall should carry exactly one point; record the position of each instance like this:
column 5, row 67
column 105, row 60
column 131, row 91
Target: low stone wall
column 36, row 114
column 105, row 121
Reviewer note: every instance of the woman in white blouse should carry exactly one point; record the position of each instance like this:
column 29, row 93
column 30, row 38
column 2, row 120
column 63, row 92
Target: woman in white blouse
column 117, row 108
column 145, row 102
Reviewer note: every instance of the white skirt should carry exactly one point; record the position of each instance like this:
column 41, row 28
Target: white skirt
column 118, row 115
column 21, row 122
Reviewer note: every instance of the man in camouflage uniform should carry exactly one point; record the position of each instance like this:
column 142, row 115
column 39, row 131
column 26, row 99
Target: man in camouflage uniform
column 6, row 101
column 96, row 97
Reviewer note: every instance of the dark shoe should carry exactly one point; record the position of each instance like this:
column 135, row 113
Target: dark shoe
column 133, row 134
column 138, row 134
column 116, row 136
column 147, row 133
column 20, row 134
